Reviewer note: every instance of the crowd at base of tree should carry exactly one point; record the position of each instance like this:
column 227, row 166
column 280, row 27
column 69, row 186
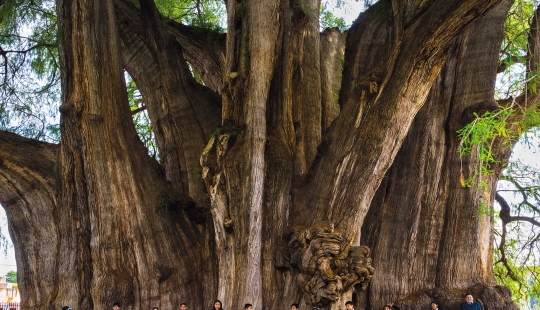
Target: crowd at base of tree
column 468, row 304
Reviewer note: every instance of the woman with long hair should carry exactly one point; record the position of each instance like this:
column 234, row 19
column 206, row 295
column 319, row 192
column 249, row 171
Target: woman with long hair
column 217, row 305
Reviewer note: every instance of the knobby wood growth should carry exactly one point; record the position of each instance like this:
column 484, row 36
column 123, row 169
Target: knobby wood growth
column 300, row 149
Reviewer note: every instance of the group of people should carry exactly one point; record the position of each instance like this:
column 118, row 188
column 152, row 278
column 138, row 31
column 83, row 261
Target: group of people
column 468, row 304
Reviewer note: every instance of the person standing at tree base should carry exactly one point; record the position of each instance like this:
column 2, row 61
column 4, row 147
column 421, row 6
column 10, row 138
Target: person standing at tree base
column 470, row 304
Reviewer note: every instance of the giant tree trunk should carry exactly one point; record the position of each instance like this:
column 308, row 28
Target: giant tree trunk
column 267, row 184
column 444, row 244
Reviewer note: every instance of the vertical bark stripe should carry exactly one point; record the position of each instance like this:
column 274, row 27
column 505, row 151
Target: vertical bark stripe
column 263, row 18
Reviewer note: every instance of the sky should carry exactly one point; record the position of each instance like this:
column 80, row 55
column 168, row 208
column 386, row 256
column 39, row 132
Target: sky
column 7, row 262
column 349, row 10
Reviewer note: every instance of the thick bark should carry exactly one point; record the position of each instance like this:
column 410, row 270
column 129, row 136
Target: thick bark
column 117, row 210
column 183, row 113
column 29, row 194
column 438, row 219
column 384, row 95
column 290, row 173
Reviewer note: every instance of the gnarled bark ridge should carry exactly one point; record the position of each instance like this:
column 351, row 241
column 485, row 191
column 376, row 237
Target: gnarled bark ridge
column 310, row 167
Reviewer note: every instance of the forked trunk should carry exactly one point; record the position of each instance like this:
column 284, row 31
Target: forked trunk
column 273, row 173
column 439, row 220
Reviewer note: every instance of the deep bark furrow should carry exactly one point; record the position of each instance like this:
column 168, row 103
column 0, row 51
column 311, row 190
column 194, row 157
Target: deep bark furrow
column 360, row 159
column 183, row 113
column 306, row 91
column 444, row 208
column 123, row 189
column 29, row 194
column 289, row 173
column 332, row 51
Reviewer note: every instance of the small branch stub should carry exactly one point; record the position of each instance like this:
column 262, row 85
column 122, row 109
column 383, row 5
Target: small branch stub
column 327, row 264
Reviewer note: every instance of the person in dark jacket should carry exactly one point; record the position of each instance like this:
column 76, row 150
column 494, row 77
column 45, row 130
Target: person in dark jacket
column 469, row 303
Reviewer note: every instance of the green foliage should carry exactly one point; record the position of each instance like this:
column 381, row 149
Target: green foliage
column 228, row 128
column 514, row 51
column 509, row 120
column 517, row 259
column 208, row 14
column 142, row 122
column 516, row 26
column 29, row 86
column 482, row 131
column 329, row 20
column 11, row 276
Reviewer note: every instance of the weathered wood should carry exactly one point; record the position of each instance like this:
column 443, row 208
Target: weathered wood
column 279, row 150
column 438, row 219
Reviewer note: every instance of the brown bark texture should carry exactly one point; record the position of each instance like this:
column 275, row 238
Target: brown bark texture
column 310, row 167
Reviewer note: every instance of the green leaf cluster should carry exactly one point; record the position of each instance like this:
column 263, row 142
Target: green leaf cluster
column 481, row 133
column 142, row 122
column 516, row 31
column 29, row 85
column 329, row 20
column 208, row 14
column 11, row 276
column 519, row 266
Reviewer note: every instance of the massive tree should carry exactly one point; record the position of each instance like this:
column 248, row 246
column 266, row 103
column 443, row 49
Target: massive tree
column 307, row 167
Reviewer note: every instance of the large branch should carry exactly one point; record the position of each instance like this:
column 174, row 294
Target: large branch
column 29, row 194
column 380, row 97
column 27, row 167
column 524, row 191
column 529, row 97
column 183, row 112
column 112, row 191
column 506, row 219
column 203, row 49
